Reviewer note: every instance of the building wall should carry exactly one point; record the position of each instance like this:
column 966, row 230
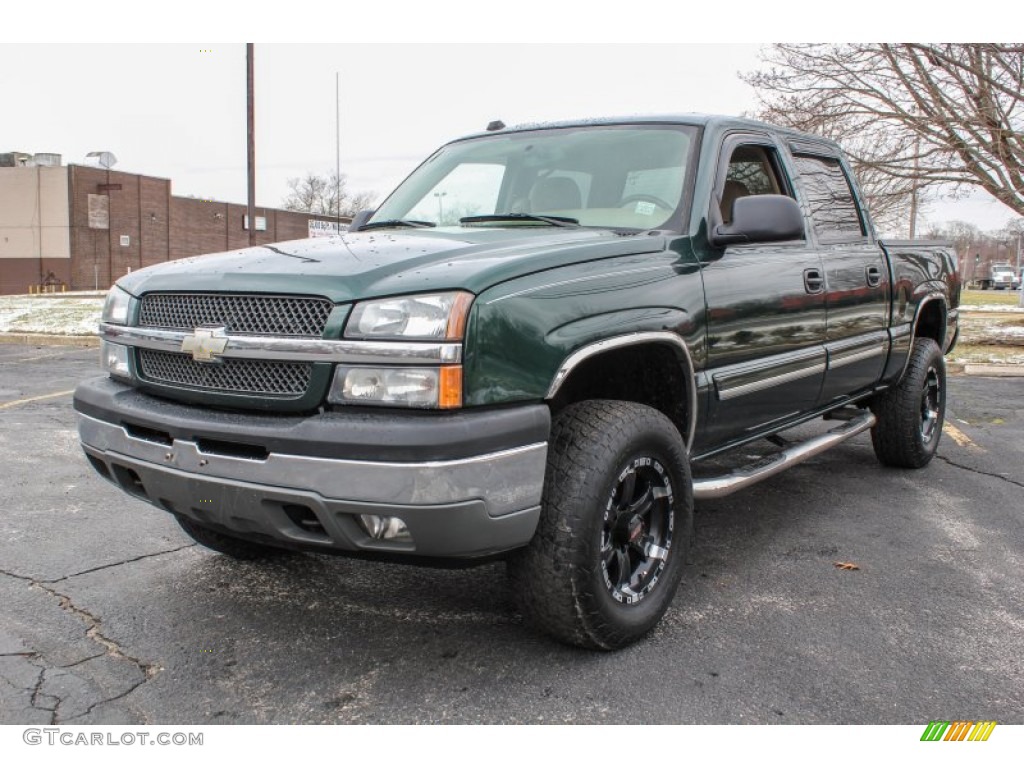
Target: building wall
column 139, row 210
column 200, row 226
column 44, row 226
column 33, row 227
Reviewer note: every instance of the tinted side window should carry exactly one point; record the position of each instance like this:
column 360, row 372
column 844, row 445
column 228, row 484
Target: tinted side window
column 751, row 171
column 827, row 191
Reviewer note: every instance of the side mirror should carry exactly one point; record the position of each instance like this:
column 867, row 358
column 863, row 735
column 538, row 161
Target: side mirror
column 359, row 219
column 761, row 219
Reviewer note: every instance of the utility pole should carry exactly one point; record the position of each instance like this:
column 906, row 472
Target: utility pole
column 251, row 131
column 337, row 150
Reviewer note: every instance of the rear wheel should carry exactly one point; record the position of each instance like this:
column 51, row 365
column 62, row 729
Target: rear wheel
column 615, row 527
column 911, row 414
column 227, row 545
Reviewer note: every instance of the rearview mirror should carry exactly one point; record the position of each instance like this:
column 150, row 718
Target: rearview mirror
column 761, row 219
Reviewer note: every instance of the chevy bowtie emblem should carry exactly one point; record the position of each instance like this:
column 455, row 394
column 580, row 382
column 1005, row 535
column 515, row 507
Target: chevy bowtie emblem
column 206, row 344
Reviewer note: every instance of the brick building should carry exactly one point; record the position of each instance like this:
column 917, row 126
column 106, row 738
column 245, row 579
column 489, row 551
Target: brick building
column 83, row 227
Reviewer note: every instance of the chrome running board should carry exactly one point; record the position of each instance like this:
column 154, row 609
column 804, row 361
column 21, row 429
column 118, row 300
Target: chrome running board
column 717, row 487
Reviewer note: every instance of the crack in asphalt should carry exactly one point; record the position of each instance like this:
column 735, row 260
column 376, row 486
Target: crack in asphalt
column 979, row 471
column 92, row 632
column 115, row 565
column 36, row 693
column 93, row 706
column 81, row 661
column 91, row 622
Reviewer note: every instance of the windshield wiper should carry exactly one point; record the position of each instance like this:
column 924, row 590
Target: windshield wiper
column 555, row 221
column 396, row 223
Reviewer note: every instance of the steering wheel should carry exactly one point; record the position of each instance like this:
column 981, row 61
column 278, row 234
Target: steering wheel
column 645, row 199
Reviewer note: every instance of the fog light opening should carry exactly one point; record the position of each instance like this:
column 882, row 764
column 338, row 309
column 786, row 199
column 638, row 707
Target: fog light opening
column 384, row 528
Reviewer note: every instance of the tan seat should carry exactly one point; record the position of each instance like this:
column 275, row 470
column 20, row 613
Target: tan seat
column 733, row 190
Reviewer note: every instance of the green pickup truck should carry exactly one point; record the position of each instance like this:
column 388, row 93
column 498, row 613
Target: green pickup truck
column 522, row 352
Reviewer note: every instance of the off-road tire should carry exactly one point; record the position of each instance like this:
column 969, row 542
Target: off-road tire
column 563, row 578
column 911, row 414
column 239, row 549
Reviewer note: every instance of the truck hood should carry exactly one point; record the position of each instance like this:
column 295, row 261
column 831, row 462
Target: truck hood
column 361, row 265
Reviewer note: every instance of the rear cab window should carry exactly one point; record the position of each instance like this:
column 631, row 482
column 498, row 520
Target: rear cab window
column 826, row 189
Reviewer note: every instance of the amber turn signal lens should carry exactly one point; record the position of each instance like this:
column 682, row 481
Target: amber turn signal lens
column 458, row 315
column 450, row 391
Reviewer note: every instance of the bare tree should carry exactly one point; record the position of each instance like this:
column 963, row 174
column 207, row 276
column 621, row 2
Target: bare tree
column 909, row 115
column 320, row 194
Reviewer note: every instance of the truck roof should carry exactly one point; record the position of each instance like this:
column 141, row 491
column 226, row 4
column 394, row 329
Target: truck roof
column 698, row 119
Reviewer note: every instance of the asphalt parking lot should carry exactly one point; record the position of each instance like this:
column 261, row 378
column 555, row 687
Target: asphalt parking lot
column 108, row 614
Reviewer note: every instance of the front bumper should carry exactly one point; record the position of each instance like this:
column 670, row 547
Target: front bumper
column 301, row 481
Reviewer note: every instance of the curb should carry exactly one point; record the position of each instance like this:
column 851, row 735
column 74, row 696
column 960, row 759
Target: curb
column 984, row 369
column 49, row 340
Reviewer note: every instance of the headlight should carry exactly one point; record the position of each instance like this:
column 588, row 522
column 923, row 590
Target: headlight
column 116, row 308
column 114, row 359
column 426, row 316
column 406, row 387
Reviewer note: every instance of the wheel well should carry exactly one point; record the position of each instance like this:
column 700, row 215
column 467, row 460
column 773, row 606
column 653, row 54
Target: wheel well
column 931, row 322
column 649, row 374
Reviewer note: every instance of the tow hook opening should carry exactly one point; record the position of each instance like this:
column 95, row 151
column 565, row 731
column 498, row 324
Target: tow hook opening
column 305, row 518
column 130, row 481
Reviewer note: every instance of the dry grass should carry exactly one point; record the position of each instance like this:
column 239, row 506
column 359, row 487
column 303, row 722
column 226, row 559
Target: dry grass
column 989, row 298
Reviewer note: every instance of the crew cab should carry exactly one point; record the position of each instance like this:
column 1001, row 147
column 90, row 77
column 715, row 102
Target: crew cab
column 522, row 353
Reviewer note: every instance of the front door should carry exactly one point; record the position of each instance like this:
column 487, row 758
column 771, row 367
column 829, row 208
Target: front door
column 765, row 310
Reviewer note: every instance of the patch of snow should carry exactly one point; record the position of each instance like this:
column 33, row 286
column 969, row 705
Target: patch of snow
column 72, row 316
column 991, row 308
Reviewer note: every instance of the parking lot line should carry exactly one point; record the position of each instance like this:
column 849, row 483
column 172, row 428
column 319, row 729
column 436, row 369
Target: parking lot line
column 959, row 437
column 23, row 401
column 51, row 356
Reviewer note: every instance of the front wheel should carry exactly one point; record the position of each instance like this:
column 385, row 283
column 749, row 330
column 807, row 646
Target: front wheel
column 911, row 414
column 615, row 527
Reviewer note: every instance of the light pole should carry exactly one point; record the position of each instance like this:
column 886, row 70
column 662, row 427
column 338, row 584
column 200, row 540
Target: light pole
column 440, row 206
column 250, row 131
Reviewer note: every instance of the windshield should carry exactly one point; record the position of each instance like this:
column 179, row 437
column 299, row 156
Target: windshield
column 600, row 176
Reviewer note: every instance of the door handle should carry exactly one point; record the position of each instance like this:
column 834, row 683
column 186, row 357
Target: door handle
column 813, row 281
column 874, row 276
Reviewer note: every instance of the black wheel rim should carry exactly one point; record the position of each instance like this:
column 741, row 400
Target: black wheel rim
column 931, row 400
column 636, row 537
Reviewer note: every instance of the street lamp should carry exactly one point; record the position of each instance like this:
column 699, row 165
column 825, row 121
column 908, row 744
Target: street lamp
column 440, row 206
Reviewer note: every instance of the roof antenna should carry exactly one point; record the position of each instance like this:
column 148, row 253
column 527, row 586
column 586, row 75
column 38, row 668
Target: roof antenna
column 495, row 125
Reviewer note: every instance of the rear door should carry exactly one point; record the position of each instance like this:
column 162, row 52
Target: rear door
column 857, row 285
column 765, row 307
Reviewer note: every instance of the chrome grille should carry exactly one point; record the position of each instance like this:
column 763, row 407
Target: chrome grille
column 240, row 314
column 237, row 375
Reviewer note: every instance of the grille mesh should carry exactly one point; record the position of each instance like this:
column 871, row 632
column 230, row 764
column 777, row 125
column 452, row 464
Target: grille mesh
column 262, row 377
column 262, row 315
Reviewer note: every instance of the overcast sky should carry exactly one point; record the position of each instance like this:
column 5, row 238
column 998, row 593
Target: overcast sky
column 178, row 111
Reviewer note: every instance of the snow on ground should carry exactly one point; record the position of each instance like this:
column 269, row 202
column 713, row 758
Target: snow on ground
column 991, row 308
column 60, row 315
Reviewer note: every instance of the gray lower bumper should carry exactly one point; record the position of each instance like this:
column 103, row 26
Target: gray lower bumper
column 466, row 507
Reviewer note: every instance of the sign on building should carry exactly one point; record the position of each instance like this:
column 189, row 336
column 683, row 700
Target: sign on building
column 261, row 222
column 99, row 212
column 318, row 228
